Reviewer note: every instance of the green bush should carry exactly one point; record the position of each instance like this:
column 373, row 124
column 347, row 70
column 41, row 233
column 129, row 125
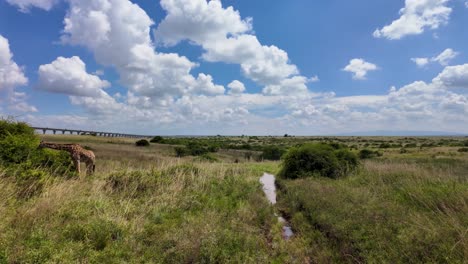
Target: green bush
column 142, row 143
column 17, row 142
column 197, row 149
column 463, row 150
column 369, row 154
column 273, row 152
column 318, row 159
column 194, row 148
column 181, row 151
column 207, row 157
column 385, row 145
column 19, row 149
column 157, row 139
column 411, row 145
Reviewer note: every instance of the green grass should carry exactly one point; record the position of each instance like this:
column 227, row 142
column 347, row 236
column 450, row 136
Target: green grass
column 389, row 212
column 145, row 205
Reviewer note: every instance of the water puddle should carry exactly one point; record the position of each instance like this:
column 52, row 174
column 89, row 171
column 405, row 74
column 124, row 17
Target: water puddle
column 269, row 188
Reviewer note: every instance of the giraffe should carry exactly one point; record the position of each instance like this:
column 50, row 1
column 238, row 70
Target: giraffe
column 77, row 153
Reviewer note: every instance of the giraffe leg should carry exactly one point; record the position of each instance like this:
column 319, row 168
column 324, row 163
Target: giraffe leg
column 76, row 162
column 89, row 168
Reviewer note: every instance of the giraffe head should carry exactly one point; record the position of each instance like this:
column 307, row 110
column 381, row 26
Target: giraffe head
column 42, row 144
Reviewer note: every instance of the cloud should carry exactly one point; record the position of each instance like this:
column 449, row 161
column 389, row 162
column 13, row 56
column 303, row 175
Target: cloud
column 18, row 103
column 236, row 87
column 199, row 21
column 294, row 86
column 11, row 77
column 314, row 79
column 69, row 76
column 164, row 95
column 204, row 85
column 126, row 45
column 26, row 5
column 359, row 68
column 453, row 77
column 421, row 62
column 443, row 58
column 225, row 37
column 415, row 18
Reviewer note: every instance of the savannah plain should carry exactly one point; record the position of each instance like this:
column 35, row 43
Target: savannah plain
column 199, row 200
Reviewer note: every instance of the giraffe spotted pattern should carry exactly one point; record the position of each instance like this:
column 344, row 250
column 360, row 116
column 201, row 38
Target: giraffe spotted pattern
column 77, row 153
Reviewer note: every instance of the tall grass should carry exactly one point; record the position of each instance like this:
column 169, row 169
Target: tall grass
column 389, row 212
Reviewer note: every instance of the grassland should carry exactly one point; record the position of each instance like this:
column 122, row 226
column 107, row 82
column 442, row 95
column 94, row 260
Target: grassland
column 145, row 205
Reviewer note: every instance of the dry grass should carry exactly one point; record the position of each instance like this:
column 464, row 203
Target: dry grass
column 145, row 205
column 391, row 211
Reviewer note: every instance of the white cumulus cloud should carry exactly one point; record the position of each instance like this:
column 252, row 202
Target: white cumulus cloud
column 415, row 17
column 236, row 87
column 360, row 68
column 443, row 58
column 199, row 21
column 25, row 5
column 126, row 45
column 453, row 76
column 421, row 62
column 69, row 76
column 11, row 74
column 11, row 77
column 225, row 37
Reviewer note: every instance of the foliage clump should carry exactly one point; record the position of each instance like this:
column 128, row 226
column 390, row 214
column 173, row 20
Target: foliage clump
column 196, row 149
column 157, row 139
column 273, row 152
column 463, row 150
column 318, row 159
column 142, row 143
column 369, row 154
column 19, row 149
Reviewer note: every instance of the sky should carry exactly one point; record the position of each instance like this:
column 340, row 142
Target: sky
column 231, row 67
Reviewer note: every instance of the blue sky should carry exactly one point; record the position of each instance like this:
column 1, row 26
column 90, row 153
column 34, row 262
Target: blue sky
column 236, row 67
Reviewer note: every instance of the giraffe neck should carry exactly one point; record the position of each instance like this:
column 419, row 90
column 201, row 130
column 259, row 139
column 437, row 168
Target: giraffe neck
column 56, row 146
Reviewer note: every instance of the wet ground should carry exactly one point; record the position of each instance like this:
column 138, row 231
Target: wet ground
column 269, row 188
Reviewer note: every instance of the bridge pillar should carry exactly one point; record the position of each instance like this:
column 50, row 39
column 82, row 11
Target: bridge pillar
column 44, row 131
column 55, row 131
column 63, row 132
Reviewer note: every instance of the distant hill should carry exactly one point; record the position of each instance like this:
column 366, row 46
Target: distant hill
column 400, row 133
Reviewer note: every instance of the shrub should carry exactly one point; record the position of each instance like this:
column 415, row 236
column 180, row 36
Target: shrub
column 368, row 154
column 213, row 148
column 157, row 139
column 181, row 151
column 208, row 157
column 17, row 142
column 463, row 150
column 317, row 160
column 385, row 145
column 142, row 143
column 273, row 152
column 19, row 149
column 197, row 149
